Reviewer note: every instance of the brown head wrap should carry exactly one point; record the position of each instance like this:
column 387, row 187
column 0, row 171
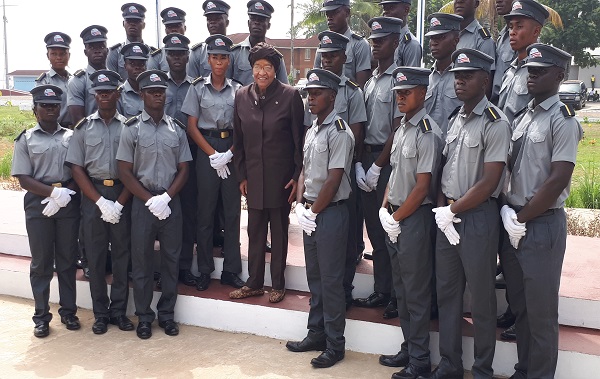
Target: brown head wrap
column 263, row 50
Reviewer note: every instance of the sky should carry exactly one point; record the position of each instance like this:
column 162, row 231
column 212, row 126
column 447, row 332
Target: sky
column 30, row 20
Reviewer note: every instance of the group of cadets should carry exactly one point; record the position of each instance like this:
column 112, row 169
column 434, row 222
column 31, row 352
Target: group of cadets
column 448, row 167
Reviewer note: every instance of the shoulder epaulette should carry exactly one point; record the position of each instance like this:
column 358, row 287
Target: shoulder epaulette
column 197, row 80
column 155, row 52
column 19, row 136
column 151, row 48
column 233, row 47
column 339, row 125
column 567, row 111
column 454, row 112
column 181, row 124
column 79, row 73
column 425, row 125
column 520, row 112
column 237, row 81
column 196, row 46
column 120, row 87
column 407, row 38
column 356, row 36
column 81, row 122
column 130, row 121
column 113, row 47
column 42, row 76
column 485, row 33
column 492, row 114
column 352, row 84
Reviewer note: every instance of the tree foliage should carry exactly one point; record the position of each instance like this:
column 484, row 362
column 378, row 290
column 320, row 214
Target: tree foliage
column 314, row 20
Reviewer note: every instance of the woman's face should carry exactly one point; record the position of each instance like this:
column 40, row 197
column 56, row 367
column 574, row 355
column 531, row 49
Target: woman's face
column 264, row 73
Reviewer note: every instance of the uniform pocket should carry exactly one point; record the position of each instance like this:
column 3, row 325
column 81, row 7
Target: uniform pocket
column 536, row 149
column 472, row 148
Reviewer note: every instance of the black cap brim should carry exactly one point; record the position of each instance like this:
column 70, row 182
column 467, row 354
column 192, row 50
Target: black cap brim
column 330, row 7
column 464, row 68
column 539, row 64
column 379, row 35
column 103, row 88
column 329, row 49
column 437, row 32
column 259, row 14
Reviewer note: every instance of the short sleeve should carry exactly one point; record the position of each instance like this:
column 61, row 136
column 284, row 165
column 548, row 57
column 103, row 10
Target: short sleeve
column 76, row 153
column 76, row 92
column 185, row 154
column 496, row 142
column 488, row 46
column 412, row 54
column 126, row 148
column 21, row 163
column 566, row 135
column 362, row 54
column 357, row 108
column 427, row 153
column 191, row 103
column 341, row 145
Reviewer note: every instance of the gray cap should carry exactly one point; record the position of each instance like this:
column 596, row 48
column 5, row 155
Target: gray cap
column 542, row 55
column 57, row 39
column 471, row 60
column 330, row 5
column 384, row 26
column 104, row 80
column 332, row 41
column 260, row 8
column 216, row 7
column 530, row 9
column 410, row 77
column 218, row 44
column 135, row 51
column 172, row 15
column 152, row 79
column 319, row 78
column 94, row 33
column 440, row 23
column 176, row 41
column 48, row 94
column 133, row 10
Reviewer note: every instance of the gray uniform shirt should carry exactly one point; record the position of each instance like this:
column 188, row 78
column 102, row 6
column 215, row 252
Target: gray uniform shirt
column 414, row 152
column 514, row 94
column 155, row 150
column 358, row 55
column 471, row 37
column 241, row 68
column 176, row 94
column 349, row 104
column 41, row 155
column 158, row 61
column 504, row 56
column 79, row 91
column 381, row 106
column 327, row 147
column 94, row 146
column 409, row 51
column 51, row 77
column 213, row 108
column 473, row 140
column 542, row 135
column 130, row 103
column 441, row 100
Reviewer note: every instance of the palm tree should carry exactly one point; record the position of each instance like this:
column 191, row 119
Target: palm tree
column 314, row 20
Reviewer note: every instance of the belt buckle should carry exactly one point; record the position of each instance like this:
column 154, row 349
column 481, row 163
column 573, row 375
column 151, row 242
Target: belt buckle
column 307, row 205
column 225, row 134
column 108, row 182
column 57, row 185
column 449, row 201
column 390, row 209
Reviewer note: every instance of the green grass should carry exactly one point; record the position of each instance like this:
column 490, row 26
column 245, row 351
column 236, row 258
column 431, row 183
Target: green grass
column 585, row 183
column 12, row 123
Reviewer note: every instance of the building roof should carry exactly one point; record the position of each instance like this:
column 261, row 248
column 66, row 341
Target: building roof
column 13, row 92
column 27, row 72
column 281, row 43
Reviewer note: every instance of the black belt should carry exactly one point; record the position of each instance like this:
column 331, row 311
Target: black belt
column 548, row 212
column 452, row 201
column 60, row 184
column 373, row 148
column 106, row 182
column 392, row 208
column 308, row 204
column 223, row 134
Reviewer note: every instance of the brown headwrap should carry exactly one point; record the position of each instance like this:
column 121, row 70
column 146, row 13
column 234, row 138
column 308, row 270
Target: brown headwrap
column 263, row 50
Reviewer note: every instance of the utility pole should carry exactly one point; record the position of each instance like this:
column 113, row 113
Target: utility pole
column 420, row 23
column 292, row 35
column 158, row 39
column 5, row 21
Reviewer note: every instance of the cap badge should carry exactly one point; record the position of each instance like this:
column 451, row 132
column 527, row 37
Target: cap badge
column 95, row 32
column 133, row 9
column 259, row 6
column 137, row 49
column 400, row 77
column 462, row 58
column 375, row 25
column 517, row 5
column 210, row 5
column 175, row 40
column 171, row 13
column 313, row 78
column 535, row 53
column 154, row 78
column 219, row 42
column 326, row 40
column 48, row 92
column 435, row 22
column 58, row 38
column 102, row 78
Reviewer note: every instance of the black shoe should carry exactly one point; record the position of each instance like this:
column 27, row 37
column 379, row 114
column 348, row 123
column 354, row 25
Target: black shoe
column 327, row 358
column 443, row 372
column 306, row 345
column 349, row 302
column 144, row 330
column 398, row 360
column 203, row 282
column 41, row 329
column 100, row 325
column 506, row 320
column 231, row 279
column 376, row 299
column 391, row 310
column 218, row 239
column 122, row 322
column 186, row 277
column 412, row 372
column 170, row 327
column 156, row 275
column 86, row 273
column 71, row 321
column 509, row 334
column 159, row 283
column 368, row 256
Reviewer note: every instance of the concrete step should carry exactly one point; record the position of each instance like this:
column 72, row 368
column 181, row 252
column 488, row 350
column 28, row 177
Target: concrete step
column 366, row 331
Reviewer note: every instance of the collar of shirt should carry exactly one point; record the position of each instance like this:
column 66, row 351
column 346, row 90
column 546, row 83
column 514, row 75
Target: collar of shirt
column 479, row 108
column 37, row 127
column 188, row 79
column 53, row 73
column 246, row 42
column 472, row 27
column 546, row 104
column 328, row 120
column 127, row 87
column 343, row 80
column 414, row 120
column 403, row 31
column 90, row 70
column 348, row 33
column 435, row 69
column 146, row 117
column 503, row 34
column 96, row 116
column 208, row 80
column 389, row 71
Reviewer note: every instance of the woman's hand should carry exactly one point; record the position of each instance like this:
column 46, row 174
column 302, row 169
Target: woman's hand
column 244, row 187
column 292, row 183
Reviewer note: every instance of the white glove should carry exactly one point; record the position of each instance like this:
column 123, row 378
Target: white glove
column 62, row 195
column 109, row 212
column 373, row 176
column 361, row 178
column 305, row 218
column 452, row 235
column 223, row 172
column 391, row 226
column 515, row 229
column 444, row 218
column 220, row 159
column 164, row 214
column 157, row 204
column 118, row 208
column 51, row 207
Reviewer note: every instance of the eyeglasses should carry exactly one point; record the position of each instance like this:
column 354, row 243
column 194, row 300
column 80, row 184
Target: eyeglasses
column 48, row 105
column 265, row 68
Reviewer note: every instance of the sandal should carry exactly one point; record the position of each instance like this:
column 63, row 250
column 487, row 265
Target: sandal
column 276, row 295
column 244, row 292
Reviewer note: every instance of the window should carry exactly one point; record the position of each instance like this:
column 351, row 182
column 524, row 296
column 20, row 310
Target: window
column 307, row 54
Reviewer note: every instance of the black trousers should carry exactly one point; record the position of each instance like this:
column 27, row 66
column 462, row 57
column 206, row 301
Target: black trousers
column 188, row 198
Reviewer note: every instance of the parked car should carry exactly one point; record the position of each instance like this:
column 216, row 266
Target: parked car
column 300, row 86
column 573, row 92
